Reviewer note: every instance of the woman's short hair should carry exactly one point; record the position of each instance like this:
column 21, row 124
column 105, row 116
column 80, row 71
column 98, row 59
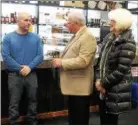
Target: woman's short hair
column 122, row 17
column 77, row 16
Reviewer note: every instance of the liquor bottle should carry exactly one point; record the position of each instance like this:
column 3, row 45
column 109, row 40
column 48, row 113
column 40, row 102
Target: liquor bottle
column 35, row 20
column 99, row 23
column 12, row 20
column 96, row 23
column 15, row 17
column 32, row 20
column 2, row 19
column 92, row 23
column 7, row 19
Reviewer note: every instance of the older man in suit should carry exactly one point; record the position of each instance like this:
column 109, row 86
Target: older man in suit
column 76, row 69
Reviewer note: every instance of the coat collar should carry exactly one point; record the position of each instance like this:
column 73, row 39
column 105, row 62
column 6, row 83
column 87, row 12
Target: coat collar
column 124, row 36
column 81, row 31
column 76, row 37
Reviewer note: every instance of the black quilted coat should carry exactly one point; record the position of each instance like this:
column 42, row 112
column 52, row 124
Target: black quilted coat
column 115, row 71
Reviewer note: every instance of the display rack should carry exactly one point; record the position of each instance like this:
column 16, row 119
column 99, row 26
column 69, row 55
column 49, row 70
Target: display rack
column 26, row 5
column 18, row 6
column 48, row 19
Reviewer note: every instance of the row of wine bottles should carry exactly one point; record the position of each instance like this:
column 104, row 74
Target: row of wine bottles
column 94, row 23
column 12, row 19
column 53, row 54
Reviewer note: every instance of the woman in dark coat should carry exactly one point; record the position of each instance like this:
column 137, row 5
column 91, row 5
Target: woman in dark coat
column 113, row 78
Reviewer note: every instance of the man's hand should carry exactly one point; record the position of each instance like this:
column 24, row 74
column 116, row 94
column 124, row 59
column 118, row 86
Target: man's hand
column 25, row 70
column 56, row 63
column 99, row 87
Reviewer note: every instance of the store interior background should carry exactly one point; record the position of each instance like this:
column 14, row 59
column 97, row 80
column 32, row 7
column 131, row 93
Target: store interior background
column 48, row 18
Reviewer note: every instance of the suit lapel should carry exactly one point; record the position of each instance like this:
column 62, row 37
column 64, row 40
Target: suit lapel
column 70, row 43
column 73, row 40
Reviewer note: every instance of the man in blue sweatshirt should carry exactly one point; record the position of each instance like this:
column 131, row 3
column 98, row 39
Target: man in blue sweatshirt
column 22, row 52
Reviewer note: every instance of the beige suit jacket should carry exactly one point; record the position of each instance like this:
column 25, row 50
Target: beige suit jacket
column 76, row 74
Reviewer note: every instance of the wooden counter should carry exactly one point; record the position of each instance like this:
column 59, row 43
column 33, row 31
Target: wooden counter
column 47, row 63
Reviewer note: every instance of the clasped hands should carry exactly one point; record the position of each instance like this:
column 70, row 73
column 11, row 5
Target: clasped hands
column 57, row 63
column 99, row 87
column 25, row 70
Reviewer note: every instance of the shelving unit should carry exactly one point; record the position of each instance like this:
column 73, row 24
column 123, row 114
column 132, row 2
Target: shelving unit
column 44, row 10
column 50, row 9
column 51, row 16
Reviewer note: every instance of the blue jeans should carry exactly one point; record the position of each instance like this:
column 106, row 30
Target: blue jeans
column 16, row 84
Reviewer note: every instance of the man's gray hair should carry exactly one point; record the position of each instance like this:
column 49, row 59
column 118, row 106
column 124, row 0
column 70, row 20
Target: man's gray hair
column 122, row 17
column 77, row 16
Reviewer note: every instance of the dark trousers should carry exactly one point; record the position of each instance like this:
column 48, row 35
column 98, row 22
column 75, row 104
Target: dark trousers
column 78, row 110
column 106, row 118
column 16, row 85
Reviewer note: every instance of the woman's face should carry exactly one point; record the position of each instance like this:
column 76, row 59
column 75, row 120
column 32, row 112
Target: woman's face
column 112, row 24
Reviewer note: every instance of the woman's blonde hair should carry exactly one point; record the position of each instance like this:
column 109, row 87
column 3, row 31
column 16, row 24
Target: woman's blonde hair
column 122, row 17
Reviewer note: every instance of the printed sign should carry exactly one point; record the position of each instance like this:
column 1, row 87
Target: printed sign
column 134, row 71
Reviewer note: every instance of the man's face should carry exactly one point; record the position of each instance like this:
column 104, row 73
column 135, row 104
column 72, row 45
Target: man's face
column 24, row 22
column 71, row 26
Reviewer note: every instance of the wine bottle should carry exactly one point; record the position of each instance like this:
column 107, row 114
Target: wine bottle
column 12, row 20
column 2, row 19
column 7, row 19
